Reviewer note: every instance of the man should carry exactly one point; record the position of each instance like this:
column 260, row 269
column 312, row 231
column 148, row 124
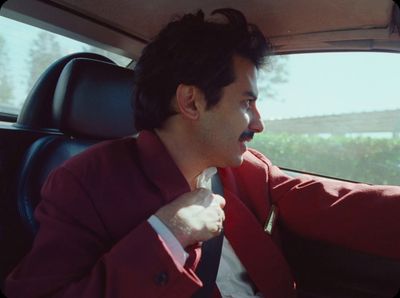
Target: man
column 127, row 218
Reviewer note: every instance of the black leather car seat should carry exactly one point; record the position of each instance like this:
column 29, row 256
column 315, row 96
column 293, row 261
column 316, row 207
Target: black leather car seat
column 36, row 112
column 92, row 102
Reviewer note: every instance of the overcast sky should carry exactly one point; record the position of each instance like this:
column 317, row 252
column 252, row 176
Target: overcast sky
column 332, row 83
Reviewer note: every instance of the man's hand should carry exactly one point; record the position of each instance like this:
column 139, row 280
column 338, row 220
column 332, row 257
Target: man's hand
column 194, row 216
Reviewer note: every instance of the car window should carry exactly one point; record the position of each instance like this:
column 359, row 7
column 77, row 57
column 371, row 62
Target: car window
column 25, row 52
column 334, row 114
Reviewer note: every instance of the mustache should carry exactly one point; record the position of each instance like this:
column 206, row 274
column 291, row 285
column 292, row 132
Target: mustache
column 246, row 135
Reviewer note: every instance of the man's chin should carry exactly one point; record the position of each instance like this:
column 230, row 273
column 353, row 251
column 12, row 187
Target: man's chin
column 229, row 161
column 236, row 162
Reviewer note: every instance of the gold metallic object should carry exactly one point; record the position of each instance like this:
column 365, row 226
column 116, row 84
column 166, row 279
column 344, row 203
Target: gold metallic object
column 270, row 222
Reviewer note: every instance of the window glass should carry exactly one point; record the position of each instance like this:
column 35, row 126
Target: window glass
column 25, row 52
column 334, row 114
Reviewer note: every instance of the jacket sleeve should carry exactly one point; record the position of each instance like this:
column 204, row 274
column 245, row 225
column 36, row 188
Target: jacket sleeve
column 74, row 256
column 354, row 215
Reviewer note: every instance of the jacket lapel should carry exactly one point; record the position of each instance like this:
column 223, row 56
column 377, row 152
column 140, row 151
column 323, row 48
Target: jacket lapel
column 257, row 251
column 161, row 170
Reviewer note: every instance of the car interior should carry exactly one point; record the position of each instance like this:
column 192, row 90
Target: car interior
column 84, row 98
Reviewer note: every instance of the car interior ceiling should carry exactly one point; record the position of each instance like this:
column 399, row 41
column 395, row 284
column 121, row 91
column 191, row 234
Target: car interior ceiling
column 290, row 25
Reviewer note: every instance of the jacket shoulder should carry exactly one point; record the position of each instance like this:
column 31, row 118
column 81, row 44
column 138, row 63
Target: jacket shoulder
column 255, row 157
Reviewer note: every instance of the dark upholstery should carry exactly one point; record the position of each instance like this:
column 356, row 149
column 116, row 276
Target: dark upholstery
column 36, row 111
column 42, row 157
column 92, row 102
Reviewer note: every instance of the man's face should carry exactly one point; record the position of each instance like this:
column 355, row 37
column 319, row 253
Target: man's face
column 226, row 127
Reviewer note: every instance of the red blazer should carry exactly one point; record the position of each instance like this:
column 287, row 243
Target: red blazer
column 94, row 240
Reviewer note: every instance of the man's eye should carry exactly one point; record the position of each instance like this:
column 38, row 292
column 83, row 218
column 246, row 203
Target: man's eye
column 246, row 103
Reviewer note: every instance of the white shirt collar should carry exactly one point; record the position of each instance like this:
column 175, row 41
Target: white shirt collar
column 204, row 179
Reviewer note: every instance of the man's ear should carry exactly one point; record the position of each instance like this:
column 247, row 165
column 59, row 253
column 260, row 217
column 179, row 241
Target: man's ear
column 188, row 99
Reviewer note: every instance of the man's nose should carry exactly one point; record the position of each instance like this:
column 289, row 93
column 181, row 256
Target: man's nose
column 256, row 124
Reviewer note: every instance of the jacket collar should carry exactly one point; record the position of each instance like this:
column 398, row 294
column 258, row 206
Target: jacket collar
column 159, row 167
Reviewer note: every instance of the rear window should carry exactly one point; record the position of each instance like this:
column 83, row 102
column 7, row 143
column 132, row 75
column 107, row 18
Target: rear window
column 333, row 114
column 25, row 52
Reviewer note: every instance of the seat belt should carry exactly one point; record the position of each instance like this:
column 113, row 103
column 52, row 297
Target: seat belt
column 210, row 254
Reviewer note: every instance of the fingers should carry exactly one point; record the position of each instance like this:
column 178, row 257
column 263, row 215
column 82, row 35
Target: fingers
column 218, row 200
column 221, row 214
column 209, row 198
column 215, row 228
column 218, row 203
column 216, row 225
column 194, row 216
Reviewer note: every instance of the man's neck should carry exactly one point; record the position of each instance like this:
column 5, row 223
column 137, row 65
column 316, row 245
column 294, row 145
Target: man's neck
column 185, row 155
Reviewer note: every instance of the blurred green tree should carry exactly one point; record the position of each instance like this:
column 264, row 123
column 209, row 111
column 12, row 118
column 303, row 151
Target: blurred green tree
column 6, row 87
column 274, row 73
column 363, row 159
column 44, row 51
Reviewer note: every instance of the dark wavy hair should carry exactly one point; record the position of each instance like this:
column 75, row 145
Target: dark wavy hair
column 192, row 51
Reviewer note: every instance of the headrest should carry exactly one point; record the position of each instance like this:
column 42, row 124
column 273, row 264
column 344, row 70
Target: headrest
column 93, row 100
column 37, row 110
